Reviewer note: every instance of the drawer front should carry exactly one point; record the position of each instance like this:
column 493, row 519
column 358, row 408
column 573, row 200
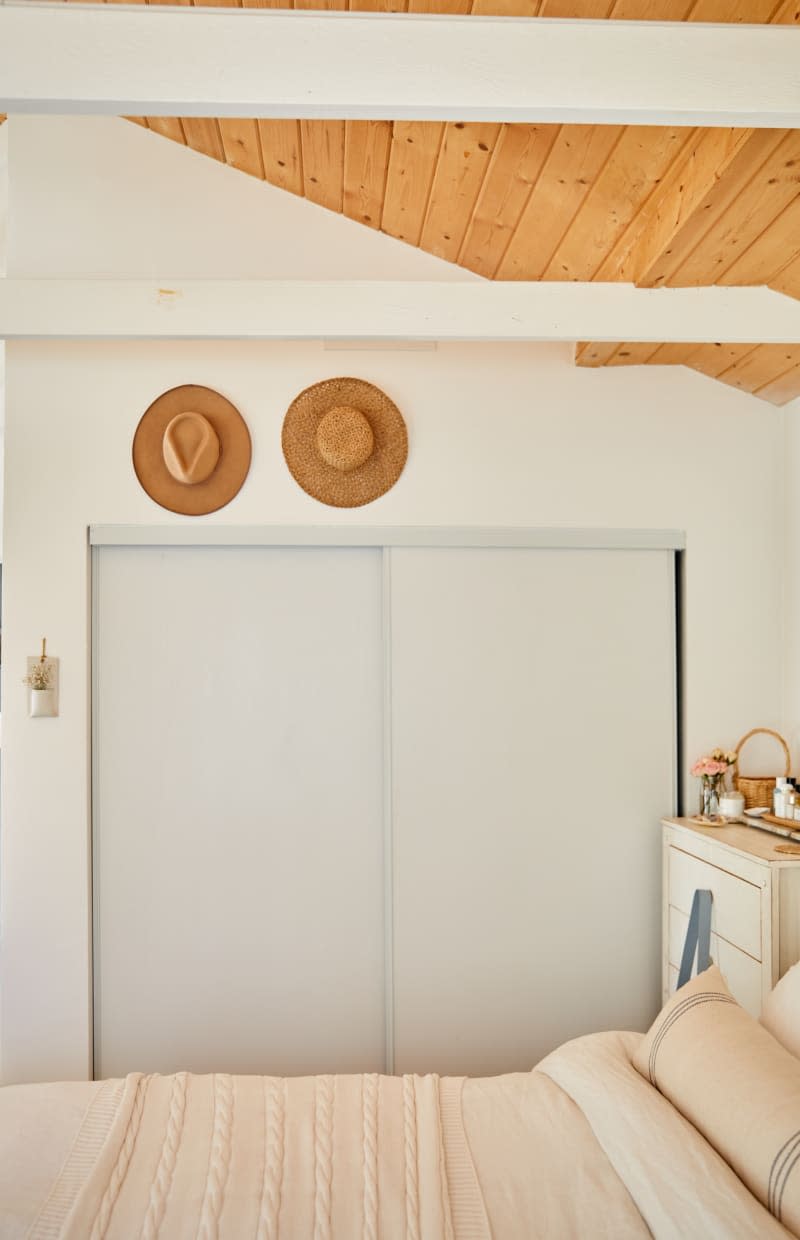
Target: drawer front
column 746, row 989
column 736, row 904
column 743, row 974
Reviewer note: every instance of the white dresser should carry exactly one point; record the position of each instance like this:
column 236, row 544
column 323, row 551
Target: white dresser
column 755, row 911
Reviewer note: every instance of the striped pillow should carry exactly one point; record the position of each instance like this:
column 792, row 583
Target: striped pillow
column 781, row 1011
column 735, row 1084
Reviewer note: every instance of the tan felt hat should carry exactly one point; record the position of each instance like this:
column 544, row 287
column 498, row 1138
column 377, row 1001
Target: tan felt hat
column 345, row 442
column 191, row 450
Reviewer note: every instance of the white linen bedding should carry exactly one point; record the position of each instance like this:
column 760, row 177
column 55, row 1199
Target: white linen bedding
column 583, row 1146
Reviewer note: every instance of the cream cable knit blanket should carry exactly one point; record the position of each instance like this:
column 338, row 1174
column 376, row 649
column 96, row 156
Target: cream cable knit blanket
column 583, row 1146
column 333, row 1158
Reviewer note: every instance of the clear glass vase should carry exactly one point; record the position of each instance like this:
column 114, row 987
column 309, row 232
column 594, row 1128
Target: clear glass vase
column 710, row 789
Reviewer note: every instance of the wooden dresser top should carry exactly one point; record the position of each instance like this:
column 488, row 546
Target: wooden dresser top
column 751, row 841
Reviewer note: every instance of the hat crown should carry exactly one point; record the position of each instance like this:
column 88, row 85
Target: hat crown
column 344, row 438
column 190, row 448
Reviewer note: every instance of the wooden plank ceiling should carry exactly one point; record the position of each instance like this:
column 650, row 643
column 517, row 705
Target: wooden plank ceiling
column 656, row 206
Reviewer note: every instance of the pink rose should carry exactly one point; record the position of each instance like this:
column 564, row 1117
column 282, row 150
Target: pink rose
column 709, row 766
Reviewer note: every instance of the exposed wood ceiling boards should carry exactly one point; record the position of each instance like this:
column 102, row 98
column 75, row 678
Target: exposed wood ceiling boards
column 633, row 354
column 241, row 146
column 783, row 388
column 519, row 156
column 674, row 217
column 636, row 166
column 412, row 164
column 715, row 360
column 366, row 163
column 464, row 157
column 727, row 211
column 769, row 371
column 752, row 370
column 457, row 8
column 168, row 126
column 788, row 280
column 323, row 163
column 750, row 210
column 590, row 9
column 765, row 259
column 787, row 13
column 752, row 11
column 323, row 142
column 282, row 154
column 577, row 158
column 544, row 202
column 668, row 355
column 203, row 134
column 594, row 353
column 653, row 206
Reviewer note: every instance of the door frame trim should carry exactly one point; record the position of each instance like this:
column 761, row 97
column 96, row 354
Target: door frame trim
column 553, row 537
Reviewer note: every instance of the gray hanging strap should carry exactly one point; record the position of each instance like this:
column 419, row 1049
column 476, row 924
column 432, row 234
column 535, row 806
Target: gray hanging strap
column 698, row 935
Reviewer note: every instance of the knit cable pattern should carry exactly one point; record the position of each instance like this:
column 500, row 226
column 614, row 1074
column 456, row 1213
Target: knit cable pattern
column 369, row 1110
column 219, row 1160
column 323, row 1156
column 107, row 1201
column 162, row 1181
column 410, row 1147
column 274, row 1122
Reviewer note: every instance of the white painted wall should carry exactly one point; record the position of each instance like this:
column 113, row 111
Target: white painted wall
column 97, row 196
column 790, row 610
column 502, row 434
column 3, row 247
column 3, row 195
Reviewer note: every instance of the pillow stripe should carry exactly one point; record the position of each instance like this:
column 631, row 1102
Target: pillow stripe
column 703, row 996
column 736, row 1085
column 788, row 1168
column 783, row 1154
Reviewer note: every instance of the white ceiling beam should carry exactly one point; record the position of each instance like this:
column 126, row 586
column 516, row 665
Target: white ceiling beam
column 380, row 310
column 155, row 61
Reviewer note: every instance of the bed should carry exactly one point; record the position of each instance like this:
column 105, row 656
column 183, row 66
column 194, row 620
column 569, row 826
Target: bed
column 690, row 1131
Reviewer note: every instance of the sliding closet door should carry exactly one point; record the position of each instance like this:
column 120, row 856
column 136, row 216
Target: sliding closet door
column 238, row 736
column 532, row 756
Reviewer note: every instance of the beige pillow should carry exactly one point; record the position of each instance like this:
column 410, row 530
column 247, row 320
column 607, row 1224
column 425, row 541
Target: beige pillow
column 781, row 1011
column 735, row 1084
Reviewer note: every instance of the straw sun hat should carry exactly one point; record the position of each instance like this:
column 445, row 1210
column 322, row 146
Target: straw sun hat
column 345, row 442
column 191, row 450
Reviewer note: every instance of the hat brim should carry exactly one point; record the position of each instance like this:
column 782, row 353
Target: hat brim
column 192, row 499
column 331, row 486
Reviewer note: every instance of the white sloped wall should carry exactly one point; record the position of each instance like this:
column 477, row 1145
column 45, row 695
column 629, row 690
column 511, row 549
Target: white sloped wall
column 499, row 435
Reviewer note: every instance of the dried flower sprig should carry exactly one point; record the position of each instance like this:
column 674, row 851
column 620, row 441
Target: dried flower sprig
column 40, row 676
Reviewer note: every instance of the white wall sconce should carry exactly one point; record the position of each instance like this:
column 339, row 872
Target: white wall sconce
column 42, row 682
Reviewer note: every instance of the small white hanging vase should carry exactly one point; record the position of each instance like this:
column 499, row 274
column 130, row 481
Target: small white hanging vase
column 42, row 703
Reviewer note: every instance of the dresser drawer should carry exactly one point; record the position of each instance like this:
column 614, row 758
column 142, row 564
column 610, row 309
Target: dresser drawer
column 736, row 904
column 746, row 990
column 743, row 974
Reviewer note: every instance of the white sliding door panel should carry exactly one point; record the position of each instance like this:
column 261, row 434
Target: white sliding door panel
column 533, row 735
column 238, row 810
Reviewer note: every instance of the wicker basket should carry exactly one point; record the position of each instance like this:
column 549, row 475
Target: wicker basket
column 758, row 789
